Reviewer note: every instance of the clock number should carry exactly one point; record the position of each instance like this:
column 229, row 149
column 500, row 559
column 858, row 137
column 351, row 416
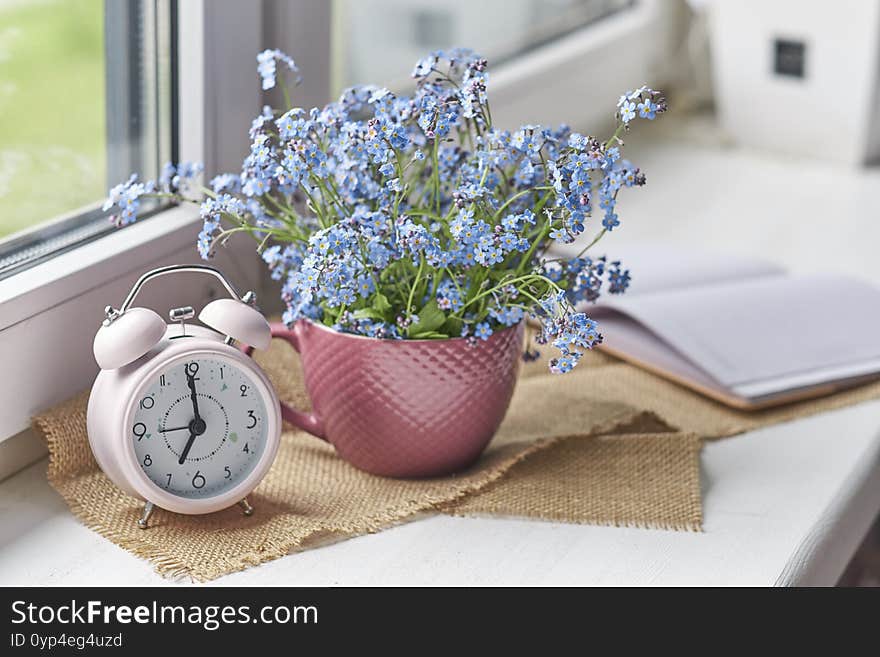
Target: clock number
column 148, row 402
column 148, row 461
column 198, row 480
column 139, row 430
column 162, row 382
column 192, row 369
column 253, row 420
column 221, row 373
column 246, row 449
column 228, row 472
column 244, row 390
column 168, row 483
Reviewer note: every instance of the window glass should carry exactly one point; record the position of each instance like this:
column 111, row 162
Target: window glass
column 52, row 136
column 85, row 98
column 377, row 41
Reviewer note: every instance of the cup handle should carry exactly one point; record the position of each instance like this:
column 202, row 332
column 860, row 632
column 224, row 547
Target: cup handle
column 305, row 421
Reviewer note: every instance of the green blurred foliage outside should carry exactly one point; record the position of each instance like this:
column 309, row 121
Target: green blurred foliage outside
column 52, row 116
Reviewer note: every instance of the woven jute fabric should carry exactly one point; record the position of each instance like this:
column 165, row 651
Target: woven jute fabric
column 604, row 444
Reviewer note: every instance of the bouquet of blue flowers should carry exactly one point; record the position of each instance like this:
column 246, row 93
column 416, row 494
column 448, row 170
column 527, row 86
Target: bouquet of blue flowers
column 413, row 217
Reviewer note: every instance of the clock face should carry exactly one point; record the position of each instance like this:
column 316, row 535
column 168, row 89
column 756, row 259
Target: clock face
column 200, row 427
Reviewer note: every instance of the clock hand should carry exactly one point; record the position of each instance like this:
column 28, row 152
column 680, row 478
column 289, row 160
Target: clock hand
column 196, row 428
column 191, row 382
column 174, row 429
column 187, row 447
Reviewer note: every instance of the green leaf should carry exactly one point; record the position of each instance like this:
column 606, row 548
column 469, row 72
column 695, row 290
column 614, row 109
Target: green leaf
column 431, row 318
column 452, row 326
column 367, row 313
column 380, row 303
column 428, row 335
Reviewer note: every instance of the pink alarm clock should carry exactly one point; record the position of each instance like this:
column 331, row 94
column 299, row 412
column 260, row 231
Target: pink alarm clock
column 178, row 416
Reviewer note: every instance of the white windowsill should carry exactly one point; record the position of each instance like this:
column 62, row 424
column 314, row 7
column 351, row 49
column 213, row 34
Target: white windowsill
column 67, row 275
column 786, row 505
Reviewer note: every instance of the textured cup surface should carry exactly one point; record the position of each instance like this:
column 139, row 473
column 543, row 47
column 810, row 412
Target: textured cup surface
column 407, row 408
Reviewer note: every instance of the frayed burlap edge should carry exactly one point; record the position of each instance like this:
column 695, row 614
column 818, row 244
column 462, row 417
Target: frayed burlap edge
column 66, row 479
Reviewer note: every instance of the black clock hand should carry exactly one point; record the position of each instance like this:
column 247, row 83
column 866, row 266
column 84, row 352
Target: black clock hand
column 187, row 447
column 197, row 426
column 174, row 429
column 191, row 382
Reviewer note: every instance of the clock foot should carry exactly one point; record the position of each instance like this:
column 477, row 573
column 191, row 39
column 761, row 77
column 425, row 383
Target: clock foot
column 143, row 521
column 246, row 508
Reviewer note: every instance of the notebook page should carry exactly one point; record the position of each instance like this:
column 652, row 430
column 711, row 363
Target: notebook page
column 763, row 329
column 655, row 267
column 625, row 335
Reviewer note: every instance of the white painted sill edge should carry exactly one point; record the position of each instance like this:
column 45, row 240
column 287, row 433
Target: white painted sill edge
column 69, row 274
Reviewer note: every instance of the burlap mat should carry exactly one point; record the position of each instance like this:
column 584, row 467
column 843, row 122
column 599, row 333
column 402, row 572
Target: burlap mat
column 605, row 444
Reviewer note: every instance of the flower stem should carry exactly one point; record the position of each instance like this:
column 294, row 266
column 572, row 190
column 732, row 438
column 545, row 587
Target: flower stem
column 435, row 174
column 415, row 284
column 503, row 284
column 527, row 259
column 615, row 136
column 517, row 196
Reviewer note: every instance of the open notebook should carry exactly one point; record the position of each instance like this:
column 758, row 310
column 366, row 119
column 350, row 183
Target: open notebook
column 742, row 331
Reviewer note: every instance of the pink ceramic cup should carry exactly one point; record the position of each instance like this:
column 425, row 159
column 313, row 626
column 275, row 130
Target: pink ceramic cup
column 404, row 408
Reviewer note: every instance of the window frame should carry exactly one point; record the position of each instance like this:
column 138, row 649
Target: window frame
column 140, row 130
column 648, row 32
column 50, row 311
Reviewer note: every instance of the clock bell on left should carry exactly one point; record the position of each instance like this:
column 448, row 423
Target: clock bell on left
column 178, row 416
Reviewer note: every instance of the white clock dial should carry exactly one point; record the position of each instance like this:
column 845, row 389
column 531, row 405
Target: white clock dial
column 200, row 427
